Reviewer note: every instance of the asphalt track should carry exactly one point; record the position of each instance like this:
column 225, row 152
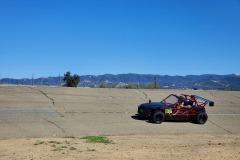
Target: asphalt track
column 27, row 111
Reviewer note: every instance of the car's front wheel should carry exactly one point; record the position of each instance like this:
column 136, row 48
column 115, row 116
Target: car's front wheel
column 202, row 118
column 158, row 117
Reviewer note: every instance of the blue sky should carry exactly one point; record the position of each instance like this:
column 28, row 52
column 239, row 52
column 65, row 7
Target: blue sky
column 166, row 37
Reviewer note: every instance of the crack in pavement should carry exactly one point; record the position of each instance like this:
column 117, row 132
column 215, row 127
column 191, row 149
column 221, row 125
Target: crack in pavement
column 52, row 100
column 117, row 104
column 224, row 114
column 220, row 98
column 105, row 112
column 145, row 95
column 55, row 125
column 44, row 95
column 220, row 127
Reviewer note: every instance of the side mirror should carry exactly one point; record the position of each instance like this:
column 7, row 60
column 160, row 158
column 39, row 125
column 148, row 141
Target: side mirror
column 150, row 101
column 211, row 104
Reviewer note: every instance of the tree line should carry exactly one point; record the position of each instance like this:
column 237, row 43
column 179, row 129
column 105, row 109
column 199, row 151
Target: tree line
column 126, row 86
column 73, row 80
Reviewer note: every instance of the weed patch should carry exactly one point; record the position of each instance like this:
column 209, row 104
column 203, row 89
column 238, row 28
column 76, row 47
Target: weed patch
column 38, row 142
column 69, row 136
column 97, row 139
column 72, row 148
column 55, row 142
column 91, row 150
column 57, row 149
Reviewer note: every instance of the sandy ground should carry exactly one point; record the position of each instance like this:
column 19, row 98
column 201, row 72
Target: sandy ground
column 130, row 147
column 33, row 117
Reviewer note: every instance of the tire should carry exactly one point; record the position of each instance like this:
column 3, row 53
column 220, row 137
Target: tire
column 158, row 117
column 201, row 118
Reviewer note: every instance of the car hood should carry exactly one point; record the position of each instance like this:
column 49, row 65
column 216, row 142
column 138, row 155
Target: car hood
column 153, row 104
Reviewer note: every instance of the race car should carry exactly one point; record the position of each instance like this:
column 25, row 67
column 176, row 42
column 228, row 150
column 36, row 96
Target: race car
column 176, row 107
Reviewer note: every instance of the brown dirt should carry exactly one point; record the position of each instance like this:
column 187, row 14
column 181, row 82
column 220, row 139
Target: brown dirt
column 188, row 146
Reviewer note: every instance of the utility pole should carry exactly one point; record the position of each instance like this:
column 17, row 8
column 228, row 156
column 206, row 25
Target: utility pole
column 60, row 83
column 155, row 83
column 32, row 79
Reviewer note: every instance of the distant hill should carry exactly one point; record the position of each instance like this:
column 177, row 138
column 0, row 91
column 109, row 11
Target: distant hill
column 206, row 81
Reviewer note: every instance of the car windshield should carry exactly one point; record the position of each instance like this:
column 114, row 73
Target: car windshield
column 170, row 100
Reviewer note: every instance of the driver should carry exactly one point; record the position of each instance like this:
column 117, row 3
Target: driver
column 187, row 104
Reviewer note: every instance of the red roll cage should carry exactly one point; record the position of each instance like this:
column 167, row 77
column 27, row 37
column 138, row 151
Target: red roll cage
column 177, row 104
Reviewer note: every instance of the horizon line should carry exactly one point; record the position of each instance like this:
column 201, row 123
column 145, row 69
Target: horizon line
column 30, row 77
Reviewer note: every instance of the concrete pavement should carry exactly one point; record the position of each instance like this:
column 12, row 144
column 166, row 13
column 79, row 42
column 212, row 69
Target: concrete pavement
column 27, row 111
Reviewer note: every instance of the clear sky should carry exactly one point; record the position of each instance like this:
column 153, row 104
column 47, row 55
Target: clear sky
column 166, row 37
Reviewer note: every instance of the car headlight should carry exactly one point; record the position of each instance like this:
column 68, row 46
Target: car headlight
column 140, row 110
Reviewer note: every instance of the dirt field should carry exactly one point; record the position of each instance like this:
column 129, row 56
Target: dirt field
column 125, row 147
column 29, row 115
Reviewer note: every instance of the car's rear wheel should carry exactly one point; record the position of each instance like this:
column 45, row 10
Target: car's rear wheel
column 202, row 118
column 158, row 117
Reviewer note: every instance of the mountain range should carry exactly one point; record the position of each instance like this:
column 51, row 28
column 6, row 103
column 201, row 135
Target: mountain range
column 205, row 81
